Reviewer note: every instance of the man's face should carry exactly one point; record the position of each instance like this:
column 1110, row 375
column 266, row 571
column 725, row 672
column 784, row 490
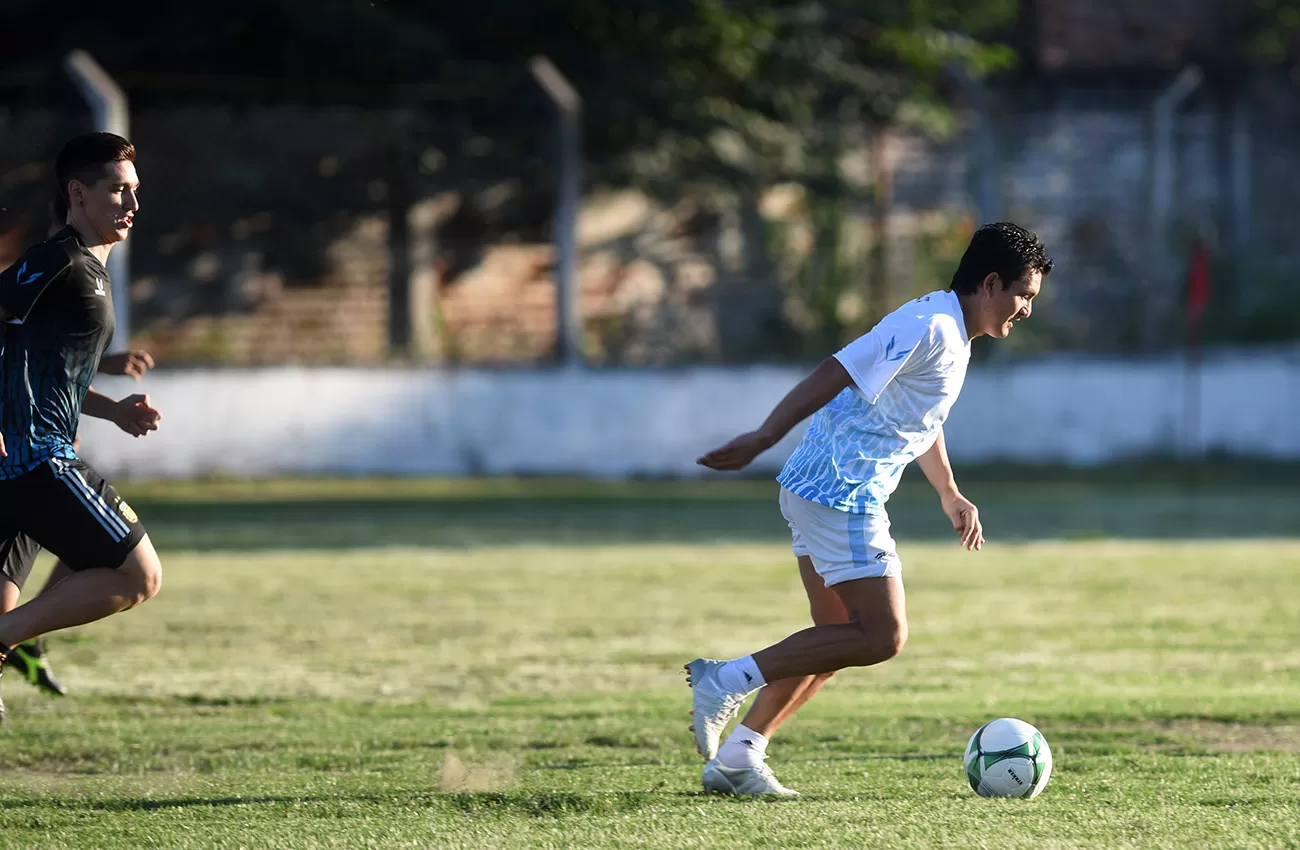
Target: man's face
column 108, row 205
column 1001, row 307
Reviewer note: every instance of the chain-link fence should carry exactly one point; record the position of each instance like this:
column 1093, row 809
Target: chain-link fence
column 265, row 233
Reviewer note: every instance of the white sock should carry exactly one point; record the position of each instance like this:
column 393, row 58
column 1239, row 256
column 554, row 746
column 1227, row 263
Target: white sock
column 740, row 676
column 745, row 748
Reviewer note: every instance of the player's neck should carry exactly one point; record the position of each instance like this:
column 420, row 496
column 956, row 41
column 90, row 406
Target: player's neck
column 970, row 315
column 95, row 244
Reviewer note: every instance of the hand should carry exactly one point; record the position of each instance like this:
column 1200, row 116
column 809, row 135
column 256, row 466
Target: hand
column 965, row 520
column 3, row 453
column 738, row 453
column 135, row 416
column 133, row 364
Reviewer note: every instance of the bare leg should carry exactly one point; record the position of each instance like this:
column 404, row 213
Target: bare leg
column 58, row 574
column 779, row 700
column 85, row 597
column 9, row 596
column 876, row 632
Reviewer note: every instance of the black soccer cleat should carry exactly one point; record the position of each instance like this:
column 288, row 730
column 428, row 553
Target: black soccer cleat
column 28, row 661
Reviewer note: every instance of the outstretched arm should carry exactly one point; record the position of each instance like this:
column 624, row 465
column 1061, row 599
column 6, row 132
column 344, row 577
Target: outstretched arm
column 807, row 397
column 963, row 513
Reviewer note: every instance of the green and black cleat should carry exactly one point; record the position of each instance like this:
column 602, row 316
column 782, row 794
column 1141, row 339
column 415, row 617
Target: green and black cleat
column 28, row 661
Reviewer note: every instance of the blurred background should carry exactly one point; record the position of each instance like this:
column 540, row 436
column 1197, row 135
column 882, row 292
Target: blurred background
column 572, row 237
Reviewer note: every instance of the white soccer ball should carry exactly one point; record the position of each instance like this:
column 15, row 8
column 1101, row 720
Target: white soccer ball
column 1008, row 758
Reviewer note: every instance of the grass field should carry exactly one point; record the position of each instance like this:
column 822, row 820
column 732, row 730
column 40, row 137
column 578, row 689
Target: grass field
column 441, row 664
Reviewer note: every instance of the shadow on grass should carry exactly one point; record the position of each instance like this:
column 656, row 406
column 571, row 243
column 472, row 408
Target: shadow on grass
column 1011, row 511
column 541, row 804
column 532, row 804
column 821, row 759
column 147, row 805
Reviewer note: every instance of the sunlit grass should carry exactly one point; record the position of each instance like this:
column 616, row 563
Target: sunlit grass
column 518, row 684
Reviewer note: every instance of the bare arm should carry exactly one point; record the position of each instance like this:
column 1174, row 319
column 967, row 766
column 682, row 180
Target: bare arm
column 133, row 414
column 132, row 364
column 99, row 405
column 963, row 513
column 808, row 396
column 938, row 470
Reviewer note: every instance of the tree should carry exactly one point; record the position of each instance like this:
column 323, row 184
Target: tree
column 780, row 92
column 716, row 98
column 1273, row 32
column 729, row 97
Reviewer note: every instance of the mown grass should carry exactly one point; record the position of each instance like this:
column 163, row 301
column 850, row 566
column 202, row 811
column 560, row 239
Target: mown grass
column 435, row 664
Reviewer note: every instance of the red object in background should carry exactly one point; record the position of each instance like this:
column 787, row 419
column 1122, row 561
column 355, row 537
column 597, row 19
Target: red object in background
column 1198, row 291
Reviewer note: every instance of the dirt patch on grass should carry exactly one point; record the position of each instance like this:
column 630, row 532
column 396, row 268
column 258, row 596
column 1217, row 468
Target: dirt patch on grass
column 1222, row 737
column 496, row 774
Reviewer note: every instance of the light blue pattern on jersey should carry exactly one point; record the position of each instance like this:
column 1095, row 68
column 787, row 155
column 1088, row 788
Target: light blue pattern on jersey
column 851, row 458
column 912, row 366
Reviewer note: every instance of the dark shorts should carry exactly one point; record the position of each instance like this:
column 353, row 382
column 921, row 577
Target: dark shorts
column 67, row 507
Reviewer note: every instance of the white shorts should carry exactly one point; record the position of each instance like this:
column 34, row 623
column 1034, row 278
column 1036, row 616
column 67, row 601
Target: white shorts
column 842, row 546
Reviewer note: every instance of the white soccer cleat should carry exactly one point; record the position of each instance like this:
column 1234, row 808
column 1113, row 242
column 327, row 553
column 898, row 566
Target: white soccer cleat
column 713, row 707
column 744, row 781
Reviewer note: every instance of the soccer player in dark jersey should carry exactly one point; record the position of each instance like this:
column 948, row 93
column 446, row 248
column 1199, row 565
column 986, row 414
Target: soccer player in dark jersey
column 29, row 660
column 57, row 304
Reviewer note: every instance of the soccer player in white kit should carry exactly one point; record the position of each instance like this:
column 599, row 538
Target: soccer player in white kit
column 879, row 404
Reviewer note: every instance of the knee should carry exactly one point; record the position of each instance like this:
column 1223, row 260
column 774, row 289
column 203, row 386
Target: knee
column 145, row 584
column 150, row 583
column 883, row 640
column 893, row 640
column 145, row 573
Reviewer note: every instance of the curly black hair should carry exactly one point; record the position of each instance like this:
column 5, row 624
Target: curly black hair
column 1003, row 248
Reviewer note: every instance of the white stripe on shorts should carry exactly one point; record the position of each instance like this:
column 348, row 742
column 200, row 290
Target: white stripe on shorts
column 107, row 517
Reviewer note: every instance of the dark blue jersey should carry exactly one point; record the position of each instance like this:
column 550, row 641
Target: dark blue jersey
column 57, row 306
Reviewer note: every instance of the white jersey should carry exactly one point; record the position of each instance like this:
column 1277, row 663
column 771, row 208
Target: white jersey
column 906, row 372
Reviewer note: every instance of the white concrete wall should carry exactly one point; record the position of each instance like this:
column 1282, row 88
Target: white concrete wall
column 610, row 423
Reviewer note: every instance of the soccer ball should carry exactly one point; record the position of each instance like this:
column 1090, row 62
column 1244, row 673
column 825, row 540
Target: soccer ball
column 1008, row 758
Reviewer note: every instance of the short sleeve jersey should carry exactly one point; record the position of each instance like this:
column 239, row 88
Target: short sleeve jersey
column 907, row 373
column 57, row 307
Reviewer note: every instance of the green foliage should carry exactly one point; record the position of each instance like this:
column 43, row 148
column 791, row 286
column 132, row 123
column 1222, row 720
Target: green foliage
column 706, row 98
column 1254, row 300
column 781, row 91
column 820, row 272
column 780, row 80
column 1273, row 31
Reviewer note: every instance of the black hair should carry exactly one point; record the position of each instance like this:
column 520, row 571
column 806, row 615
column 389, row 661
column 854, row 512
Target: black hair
column 83, row 158
column 1004, row 249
